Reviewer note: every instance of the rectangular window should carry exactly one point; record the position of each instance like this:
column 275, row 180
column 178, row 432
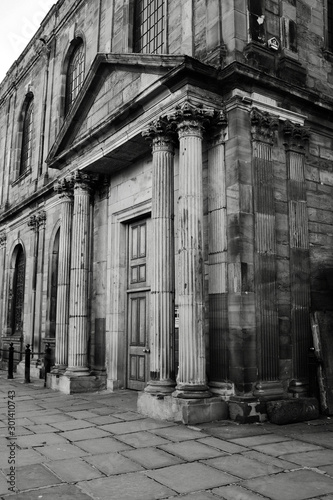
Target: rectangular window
column 149, row 26
column 257, row 20
column 330, row 25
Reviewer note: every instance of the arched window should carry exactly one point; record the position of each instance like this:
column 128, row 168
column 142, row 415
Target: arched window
column 27, row 131
column 16, row 294
column 75, row 74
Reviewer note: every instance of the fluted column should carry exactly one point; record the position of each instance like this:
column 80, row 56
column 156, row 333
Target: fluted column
column 295, row 141
column 65, row 191
column 78, row 305
column 191, row 380
column 163, row 281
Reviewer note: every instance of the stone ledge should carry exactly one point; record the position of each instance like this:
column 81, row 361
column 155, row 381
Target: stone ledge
column 187, row 411
column 288, row 411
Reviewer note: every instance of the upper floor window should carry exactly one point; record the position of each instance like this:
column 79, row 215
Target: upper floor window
column 75, row 73
column 149, row 26
column 257, row 20
column 27, row 132
column 329, row 43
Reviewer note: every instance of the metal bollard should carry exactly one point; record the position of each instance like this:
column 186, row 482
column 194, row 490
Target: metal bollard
column 47, row 361
column 10, row 361
column 27, row 364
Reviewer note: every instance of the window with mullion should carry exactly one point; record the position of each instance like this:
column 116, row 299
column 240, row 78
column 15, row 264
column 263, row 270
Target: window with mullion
column 149, row 26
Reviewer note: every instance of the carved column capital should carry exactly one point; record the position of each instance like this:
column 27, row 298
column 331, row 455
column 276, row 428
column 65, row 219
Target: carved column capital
column 36, row 221
column 83, row 181
column 64, row 187
column 295, row 136
column 217, row 130
column 3, row 239
column 191, row 119
column 161, row 134
column 263, row 125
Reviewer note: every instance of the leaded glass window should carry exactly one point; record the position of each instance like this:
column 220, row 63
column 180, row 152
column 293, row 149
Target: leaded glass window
column 75, row 74
column 149, row 26
column 27, row 132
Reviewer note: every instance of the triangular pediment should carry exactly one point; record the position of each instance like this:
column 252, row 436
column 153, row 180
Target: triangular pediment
column 115, row 86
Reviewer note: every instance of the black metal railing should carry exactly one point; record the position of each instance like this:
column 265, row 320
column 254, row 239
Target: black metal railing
column 28, row 353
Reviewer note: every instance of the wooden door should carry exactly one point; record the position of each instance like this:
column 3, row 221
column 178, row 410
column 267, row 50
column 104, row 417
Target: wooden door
column 138, row 292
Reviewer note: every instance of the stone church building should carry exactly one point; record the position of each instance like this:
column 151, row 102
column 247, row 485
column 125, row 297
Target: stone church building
column 166, row 199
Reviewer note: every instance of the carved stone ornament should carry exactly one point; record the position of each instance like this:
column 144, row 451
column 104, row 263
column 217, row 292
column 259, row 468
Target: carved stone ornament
column 217, row 128
column 3, row 239
column 161, row 133
column 295, row 136
column 37, row 220
column 64, row 187
column 263, row 125
column 191, row 118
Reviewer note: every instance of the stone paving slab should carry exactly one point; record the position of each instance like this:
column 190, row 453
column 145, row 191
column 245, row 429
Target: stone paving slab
column 82, row 434
column 152, row 458
column 232, row 431
column 102, row 420
column 237, row 492
column 102, row 445
column 50, row 419
column 242, row 467
column 70, row 425
column 190, row 477
column 282, row 463
column 40, row 440
column 285, row 447
column 126, row 487
column 192, row 450
column 311, row 458
column 41, row 428
column 324, row 438
column 202, row 495
column 225, row 446
column 295, row 485
column 178, row 433
column 258, row 440
column 142, row 439
column 113, row 463
column 34, row 476
column 61, row 451
column 73, row 470
column 62, row 492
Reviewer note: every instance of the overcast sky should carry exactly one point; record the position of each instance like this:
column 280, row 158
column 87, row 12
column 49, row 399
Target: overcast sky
column 19, row 21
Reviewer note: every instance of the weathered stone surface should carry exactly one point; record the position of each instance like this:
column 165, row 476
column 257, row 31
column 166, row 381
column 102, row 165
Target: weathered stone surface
column 247, row 410
column 287, row 411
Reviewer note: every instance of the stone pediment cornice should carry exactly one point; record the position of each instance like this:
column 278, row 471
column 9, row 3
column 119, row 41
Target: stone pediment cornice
column 166, row 67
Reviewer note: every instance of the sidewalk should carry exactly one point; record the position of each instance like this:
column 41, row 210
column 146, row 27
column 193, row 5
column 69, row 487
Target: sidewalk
column 96, row 446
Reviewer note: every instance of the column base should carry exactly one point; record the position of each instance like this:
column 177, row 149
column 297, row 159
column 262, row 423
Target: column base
column 299, row 388
column 72, row 384
column 186, row 391
column 35, row 368
column 223, row 389
column 268, row 390
column 247, row 409
column 160, row 387
column 189, row 412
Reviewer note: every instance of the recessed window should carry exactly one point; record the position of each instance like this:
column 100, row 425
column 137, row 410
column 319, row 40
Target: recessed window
column 257, row 20
column 27, row 132
column 75, row 74
column 330, row 25
column 149, row 26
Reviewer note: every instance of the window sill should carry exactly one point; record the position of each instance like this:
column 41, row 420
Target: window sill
column 21, row 177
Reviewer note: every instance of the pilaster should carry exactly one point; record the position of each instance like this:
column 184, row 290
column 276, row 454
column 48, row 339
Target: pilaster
column 162, row 370
column 263, row 127
column 296, row 137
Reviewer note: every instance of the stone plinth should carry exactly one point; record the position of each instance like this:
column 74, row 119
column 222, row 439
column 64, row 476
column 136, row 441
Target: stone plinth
column 187, row 411
column 247, row 410
column 288, row 411
column 72, row 384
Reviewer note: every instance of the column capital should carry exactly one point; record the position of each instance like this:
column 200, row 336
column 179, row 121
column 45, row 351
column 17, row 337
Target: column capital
column 64, row 187
column 3, row 239
column 217, row 129
column 161, row 134
column 295, row 136
column 83, row 181
column 37, row 220
column 263, row 125
column 191, row 119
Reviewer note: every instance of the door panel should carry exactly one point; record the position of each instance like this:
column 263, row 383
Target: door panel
column 138, row 306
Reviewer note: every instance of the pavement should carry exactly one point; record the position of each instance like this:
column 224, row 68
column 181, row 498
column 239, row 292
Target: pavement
column 96, row 446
